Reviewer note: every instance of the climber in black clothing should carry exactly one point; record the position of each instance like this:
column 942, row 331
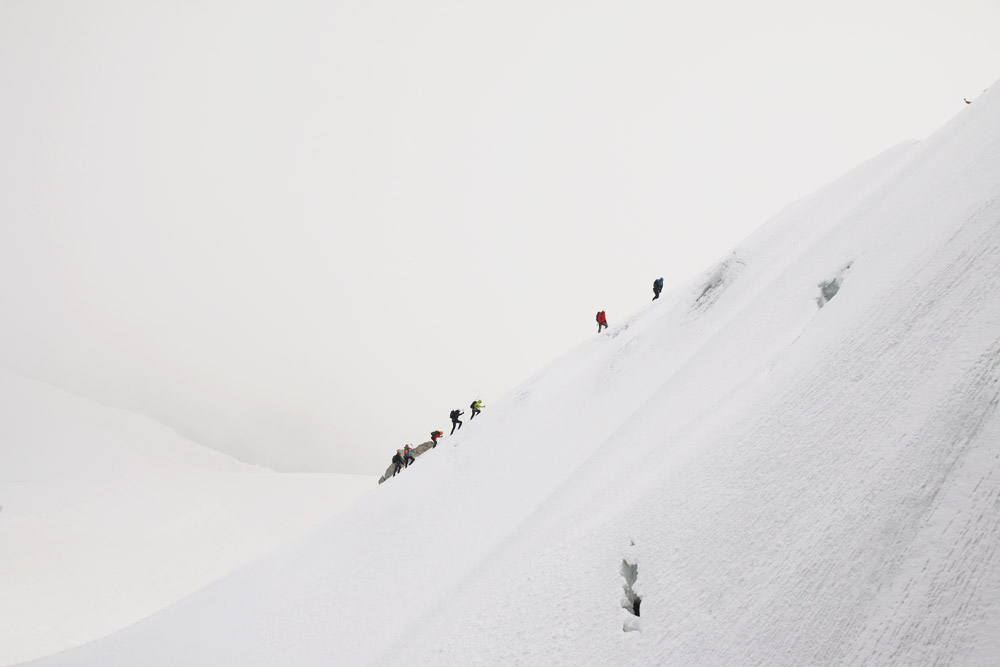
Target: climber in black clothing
column 397, row 461
column 657, row 288
column 455, row 421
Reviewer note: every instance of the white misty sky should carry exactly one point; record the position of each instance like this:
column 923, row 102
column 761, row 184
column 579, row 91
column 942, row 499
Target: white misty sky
column 302, row 232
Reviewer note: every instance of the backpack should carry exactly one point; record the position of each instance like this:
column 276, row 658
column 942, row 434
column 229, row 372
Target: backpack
column 473, row 405
column 454, row 414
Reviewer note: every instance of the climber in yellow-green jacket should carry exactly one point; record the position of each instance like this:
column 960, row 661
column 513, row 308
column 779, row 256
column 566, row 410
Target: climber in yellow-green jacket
column 476, row 406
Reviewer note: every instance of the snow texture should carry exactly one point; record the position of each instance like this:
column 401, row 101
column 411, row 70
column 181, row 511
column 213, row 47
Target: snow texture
column 792, row 485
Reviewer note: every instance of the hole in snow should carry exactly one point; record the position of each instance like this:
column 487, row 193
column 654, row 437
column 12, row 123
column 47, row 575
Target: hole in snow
column 829, row 288
column 630, row 602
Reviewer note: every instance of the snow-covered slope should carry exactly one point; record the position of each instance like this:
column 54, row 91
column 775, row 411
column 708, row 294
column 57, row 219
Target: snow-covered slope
column 108, row 517
column 779, row 483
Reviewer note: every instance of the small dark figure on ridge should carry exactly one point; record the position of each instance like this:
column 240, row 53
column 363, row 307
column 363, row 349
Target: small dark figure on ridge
column 455, row 421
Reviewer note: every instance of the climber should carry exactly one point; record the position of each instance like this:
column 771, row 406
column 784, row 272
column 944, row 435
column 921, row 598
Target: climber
column 408, row 455
column 397, row 461
column 455, row 421
column 657, row 288
column 477, row 407
column 602, row 321
column 435, row 435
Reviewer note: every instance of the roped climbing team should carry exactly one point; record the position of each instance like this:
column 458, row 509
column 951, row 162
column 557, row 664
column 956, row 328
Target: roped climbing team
column 405, row 456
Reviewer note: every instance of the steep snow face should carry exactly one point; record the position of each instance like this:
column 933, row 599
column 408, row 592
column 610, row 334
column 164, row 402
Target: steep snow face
column 107, row 517
column 730, row 476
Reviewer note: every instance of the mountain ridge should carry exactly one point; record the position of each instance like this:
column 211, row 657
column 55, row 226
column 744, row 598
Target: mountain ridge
column 779, row 479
